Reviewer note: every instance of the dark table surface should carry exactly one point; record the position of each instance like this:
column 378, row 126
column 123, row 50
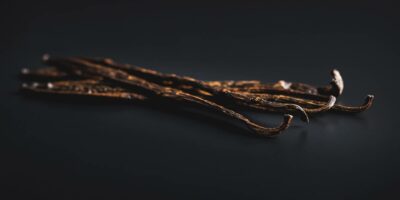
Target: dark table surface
column 63, row 148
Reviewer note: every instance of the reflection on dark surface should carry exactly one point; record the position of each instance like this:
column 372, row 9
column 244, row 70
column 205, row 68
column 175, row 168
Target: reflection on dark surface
column 58, row 148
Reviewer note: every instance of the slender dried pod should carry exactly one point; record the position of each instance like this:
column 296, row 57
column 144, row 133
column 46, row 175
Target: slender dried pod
column 335, row 87
column 82, row 88
column 165, row 92
column 106, row 78
column 184, row 82
column 309, row 105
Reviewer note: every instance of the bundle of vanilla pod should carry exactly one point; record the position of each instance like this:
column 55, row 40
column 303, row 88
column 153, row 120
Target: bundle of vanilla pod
column 106, row 78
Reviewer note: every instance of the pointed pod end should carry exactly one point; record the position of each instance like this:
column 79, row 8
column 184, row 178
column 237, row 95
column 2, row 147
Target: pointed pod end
column 287, row 119
column 331, row 102
column 304, row 115
column 271, row 132
column 368, row 101
column 356, row 109
column 337, row 83
column 335, row 87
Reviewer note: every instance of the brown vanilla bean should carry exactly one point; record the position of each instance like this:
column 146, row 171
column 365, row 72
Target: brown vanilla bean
column 174, row 80
column 314, row 104
column 45, row 75
column 231, row 83
column 317, row 108
column 44, row 72
column 88, row 87
column 335, row 87
column 49, row 72
column 94, row 88
column 306, row 95
column 161, row 91
column 104, row 78
column 309, row 105
column 216, row 88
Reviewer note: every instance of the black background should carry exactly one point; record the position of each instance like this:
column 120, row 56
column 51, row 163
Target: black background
column 62, row 148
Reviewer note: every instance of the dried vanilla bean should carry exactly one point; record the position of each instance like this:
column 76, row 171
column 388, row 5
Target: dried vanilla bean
column 234, row 89
column 161, row 91
column 309, row 105
column 49, row 73
column 106, row 78
column 94, row 88
column 335, row 87
column 88, row 87
column 174, row 80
